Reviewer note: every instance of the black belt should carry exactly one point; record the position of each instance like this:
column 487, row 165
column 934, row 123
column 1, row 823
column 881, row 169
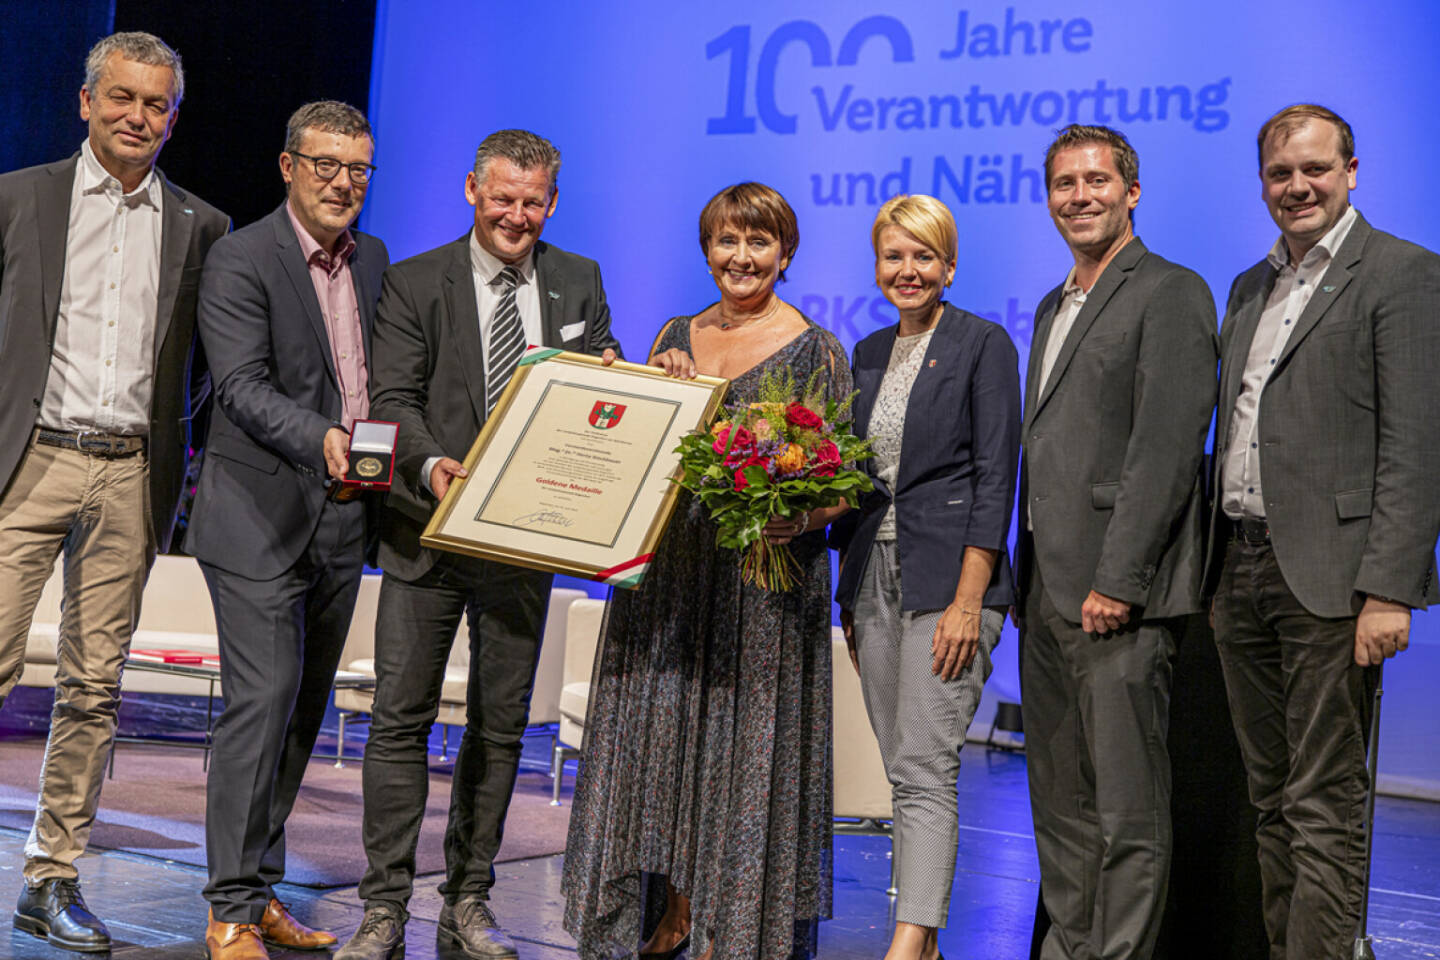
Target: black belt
column 91, row 442
column 1255, row 532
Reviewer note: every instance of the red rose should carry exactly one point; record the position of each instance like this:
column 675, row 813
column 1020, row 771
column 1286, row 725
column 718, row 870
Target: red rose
column 826, row 460
column 743, row 445
column 799, row 415
column 740, row 480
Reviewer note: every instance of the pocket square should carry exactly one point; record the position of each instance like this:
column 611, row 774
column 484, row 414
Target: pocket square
column 572, row 330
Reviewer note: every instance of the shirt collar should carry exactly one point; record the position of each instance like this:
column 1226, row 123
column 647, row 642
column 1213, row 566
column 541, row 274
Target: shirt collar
column 1071, row 287
column 487, row 266
column 94, row 178
column 1329, row 245
column 311, row 248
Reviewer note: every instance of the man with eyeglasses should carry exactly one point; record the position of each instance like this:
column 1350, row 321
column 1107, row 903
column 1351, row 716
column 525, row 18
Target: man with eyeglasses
column 286, row 310
column 99, row 256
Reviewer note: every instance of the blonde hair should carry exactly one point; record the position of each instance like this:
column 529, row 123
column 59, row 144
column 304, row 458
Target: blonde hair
column 924, row 218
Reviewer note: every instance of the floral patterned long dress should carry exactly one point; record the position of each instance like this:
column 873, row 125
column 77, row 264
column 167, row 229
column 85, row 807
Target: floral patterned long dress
column 707, row 746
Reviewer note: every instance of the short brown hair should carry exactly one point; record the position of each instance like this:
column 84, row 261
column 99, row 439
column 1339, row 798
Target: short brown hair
column 1127, row 161
column 753, row 206
column 327, row 116
column 924, row 218
column 1295, row 116
column 526, row 150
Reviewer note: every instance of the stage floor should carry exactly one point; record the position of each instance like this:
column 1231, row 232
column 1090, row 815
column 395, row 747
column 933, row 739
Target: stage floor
column 154, row 907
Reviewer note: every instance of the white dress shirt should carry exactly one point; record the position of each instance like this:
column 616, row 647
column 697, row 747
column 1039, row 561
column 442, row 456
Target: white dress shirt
column 1241, row 493
column 1072, row 300
column 485, row 270
column 102, row 365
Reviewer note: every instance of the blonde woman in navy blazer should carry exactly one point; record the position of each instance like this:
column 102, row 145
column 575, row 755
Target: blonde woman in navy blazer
column 925, row 575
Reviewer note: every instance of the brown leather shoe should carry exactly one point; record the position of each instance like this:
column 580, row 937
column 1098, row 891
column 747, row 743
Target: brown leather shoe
column 283, row 930
column 233, row 941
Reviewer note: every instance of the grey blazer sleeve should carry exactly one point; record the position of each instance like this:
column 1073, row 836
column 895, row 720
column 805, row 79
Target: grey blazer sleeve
column 1405, row 512
column 1174, row 396
column 234, row 324
column 401, row 374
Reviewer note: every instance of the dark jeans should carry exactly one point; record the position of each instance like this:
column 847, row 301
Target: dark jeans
column 280, row 641
column 414, row 629
column 1097, row 711
column 1301, row 708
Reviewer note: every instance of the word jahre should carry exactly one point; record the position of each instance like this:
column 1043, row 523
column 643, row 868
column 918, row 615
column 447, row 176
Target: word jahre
column 989, row 40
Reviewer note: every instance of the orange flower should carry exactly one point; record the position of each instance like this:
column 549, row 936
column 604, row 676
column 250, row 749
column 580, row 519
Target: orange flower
column 790, row 459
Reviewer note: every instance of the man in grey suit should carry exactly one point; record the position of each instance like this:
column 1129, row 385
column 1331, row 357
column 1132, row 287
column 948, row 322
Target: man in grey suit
column 1119, row 394
column 287, row 307
column 452, row 324
column 1326, row 515
column 99, row 263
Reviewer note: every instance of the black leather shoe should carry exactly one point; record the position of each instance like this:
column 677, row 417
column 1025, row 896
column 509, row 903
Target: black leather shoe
column 56, row 912
column 381, row 935
column 469, row 925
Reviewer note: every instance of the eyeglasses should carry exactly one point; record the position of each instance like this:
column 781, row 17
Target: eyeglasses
column 326, row 168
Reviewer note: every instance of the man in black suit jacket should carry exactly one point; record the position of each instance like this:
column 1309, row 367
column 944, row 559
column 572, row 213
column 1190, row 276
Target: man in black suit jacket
column 452, row 324
column 1119, row 394
column 1326, row 514
column 287, row 308
column 99, row 264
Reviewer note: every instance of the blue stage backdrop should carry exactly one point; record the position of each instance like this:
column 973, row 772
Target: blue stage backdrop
column 656, row 105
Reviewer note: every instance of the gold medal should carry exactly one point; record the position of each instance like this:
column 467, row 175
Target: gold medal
column 368, row 467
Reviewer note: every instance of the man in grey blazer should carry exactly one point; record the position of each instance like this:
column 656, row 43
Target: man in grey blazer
column 287, row 308
column 1119, row 394
column 452, row 324
column 1326, row 514
column 99, row 264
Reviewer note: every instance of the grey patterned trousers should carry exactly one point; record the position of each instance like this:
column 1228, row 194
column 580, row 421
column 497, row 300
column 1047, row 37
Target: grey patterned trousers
column 920, row 722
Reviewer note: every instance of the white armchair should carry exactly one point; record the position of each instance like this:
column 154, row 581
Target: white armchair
column 359, row 656
column 582, row 637
column 862, row 791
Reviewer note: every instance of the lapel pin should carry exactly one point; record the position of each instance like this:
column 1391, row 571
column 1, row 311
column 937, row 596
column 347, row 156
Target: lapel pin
column 1328, row 288
column 932, row 363
column 188, row 211
column 554, row 295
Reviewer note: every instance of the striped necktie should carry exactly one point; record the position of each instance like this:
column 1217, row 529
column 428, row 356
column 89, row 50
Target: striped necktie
column 507, row 339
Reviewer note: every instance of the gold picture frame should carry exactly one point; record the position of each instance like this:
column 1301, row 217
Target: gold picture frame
column 572, row 471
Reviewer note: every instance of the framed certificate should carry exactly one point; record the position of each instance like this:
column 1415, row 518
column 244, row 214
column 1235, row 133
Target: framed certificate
column 572, row 471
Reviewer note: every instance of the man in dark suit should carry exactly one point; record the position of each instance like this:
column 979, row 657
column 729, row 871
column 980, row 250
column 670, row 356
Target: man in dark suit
column 1326, row 514
column 1119, row 394
column 99, row 263
column 451, row 327
column 287, row 308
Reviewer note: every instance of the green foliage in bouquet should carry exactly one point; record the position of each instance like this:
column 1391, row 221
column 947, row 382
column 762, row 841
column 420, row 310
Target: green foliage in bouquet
column 787, row 453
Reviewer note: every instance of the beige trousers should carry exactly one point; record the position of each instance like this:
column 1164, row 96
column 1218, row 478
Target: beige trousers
column 97, row 511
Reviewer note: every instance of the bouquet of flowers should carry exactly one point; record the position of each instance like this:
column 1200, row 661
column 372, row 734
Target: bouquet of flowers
column 781, row 456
